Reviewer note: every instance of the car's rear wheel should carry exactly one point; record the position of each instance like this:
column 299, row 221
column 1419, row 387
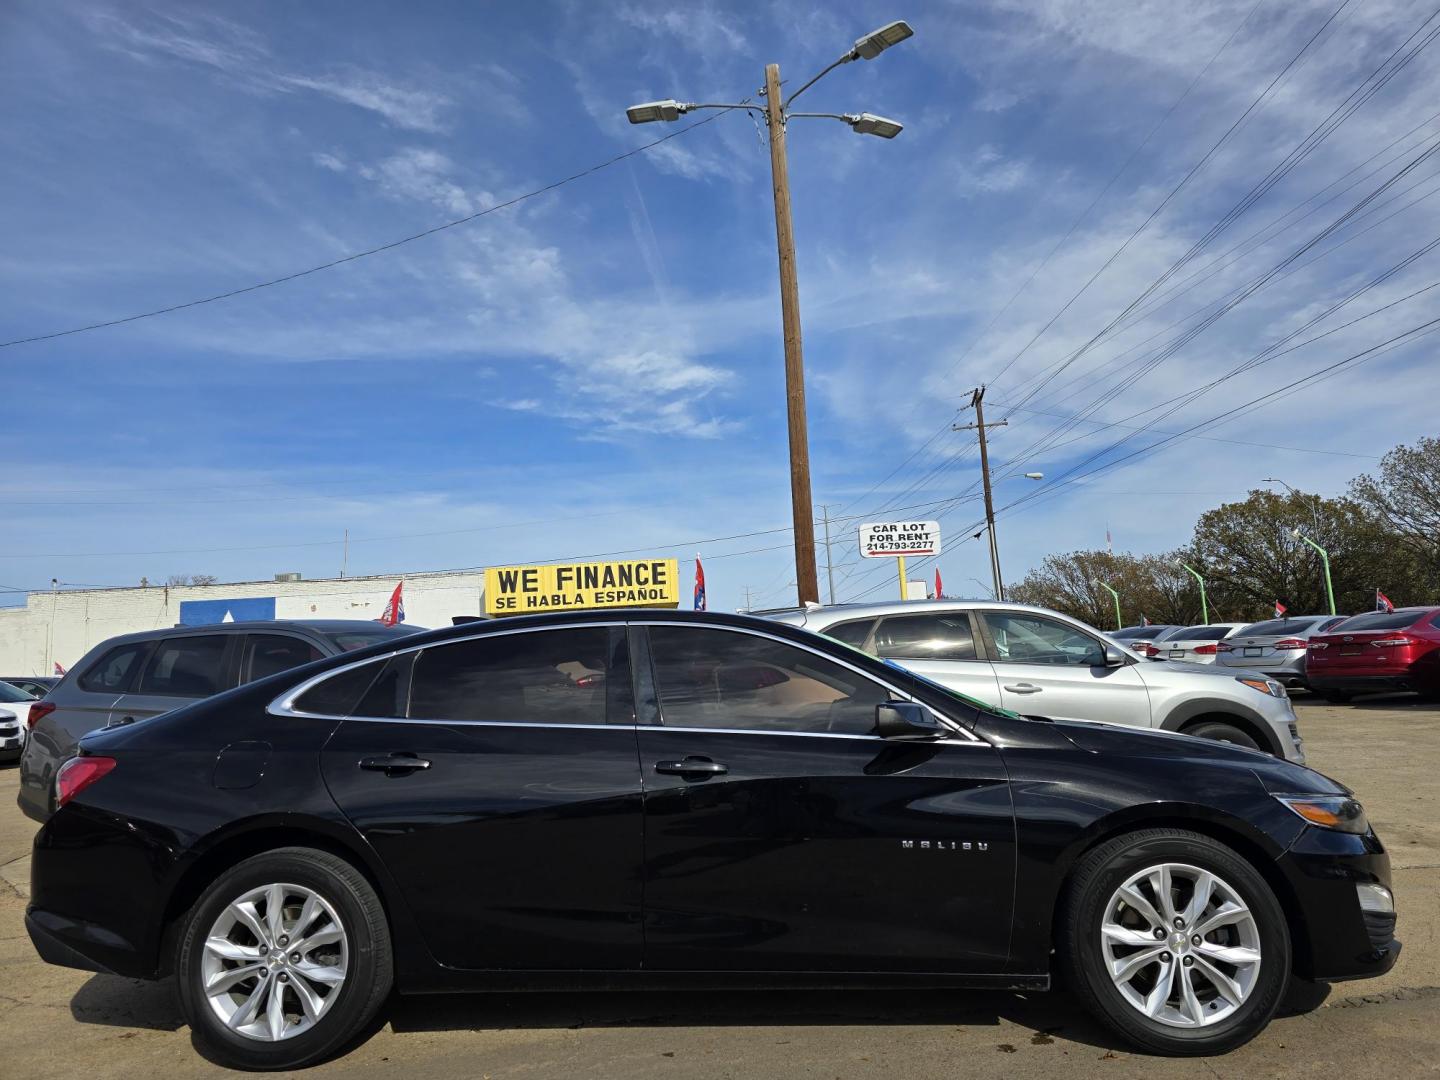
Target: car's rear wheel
column 1175, row 942
column 1226, row 733
column 282, row 960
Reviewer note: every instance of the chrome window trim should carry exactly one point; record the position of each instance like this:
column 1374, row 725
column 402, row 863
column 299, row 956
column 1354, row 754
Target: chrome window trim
column 284, row 705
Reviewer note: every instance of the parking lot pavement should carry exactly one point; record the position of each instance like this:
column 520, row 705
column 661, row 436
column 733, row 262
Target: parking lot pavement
column 62, row 1023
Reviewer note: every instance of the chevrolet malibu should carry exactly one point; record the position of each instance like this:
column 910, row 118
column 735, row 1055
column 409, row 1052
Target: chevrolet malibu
column 618, row 799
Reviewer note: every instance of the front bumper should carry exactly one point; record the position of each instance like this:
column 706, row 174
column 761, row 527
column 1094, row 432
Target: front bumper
column 1334, row 940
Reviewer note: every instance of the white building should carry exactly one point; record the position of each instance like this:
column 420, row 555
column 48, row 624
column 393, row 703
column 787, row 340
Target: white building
column 61, row 627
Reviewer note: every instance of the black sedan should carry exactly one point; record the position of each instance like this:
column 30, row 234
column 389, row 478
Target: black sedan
column 624, row 799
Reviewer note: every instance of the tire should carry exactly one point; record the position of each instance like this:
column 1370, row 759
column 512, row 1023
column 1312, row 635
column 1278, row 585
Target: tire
column 1226, row 733
column 1336, row 697
column 1137, row 1013
column 332, row 892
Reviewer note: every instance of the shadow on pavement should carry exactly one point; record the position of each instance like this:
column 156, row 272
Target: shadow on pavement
column 132, row 1003
column 1046, row 1015
column 1394, row 702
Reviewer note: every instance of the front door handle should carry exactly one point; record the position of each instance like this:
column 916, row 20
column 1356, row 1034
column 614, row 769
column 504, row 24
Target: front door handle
column 1024, row 688
column 697, row 767
column 394, row 764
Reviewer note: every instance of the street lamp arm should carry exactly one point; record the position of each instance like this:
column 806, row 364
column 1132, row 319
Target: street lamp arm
column 690, row 106
column 851, row 55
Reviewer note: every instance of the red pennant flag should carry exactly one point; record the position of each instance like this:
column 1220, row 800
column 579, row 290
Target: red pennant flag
column 939, row 589
column 395, row 609
column 58, row 669
column 1280, row 610
column 1382, row 602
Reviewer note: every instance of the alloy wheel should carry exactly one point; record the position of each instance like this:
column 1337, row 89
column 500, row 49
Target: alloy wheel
column 1181, row 945
column 274, row 962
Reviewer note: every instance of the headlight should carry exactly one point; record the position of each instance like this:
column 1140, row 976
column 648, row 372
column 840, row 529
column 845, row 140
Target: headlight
column 1265, row 686
column 1338, row 812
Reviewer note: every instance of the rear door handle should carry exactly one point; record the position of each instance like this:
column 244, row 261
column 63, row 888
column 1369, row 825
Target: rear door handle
column 394, row 763
column 692, row 767
column 1024, row 688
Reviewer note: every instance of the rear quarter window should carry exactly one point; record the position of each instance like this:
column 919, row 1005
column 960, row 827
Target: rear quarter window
column 115, row 671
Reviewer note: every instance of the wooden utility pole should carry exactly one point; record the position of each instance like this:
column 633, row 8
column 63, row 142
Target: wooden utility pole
column 806, row 582
column 977, row 399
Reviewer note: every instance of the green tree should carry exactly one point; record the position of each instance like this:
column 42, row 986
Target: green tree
column 1150, row 586
column 1405, row 499
column 1250, row 557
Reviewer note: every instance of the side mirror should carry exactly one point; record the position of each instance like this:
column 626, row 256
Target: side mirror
column 1114, row 657
column 906, row 720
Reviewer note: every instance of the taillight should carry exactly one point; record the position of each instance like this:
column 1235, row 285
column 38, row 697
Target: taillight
column 77, row 774
column 1206, row 650
column 1290, row 643
column 1393, row 642
column 1221, row 647
column 39, row 709
column 1148, row 650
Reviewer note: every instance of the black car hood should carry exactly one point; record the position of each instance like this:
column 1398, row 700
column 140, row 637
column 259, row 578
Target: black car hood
column 1275, row 774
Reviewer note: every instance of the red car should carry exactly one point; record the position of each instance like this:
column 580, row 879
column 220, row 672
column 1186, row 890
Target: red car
column 1375, row 652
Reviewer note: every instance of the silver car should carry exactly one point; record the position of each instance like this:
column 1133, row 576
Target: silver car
column 1275, row 648
column 1036, row 661
column 1193, row 644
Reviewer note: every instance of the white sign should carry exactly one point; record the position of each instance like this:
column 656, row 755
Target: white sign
column 888, row 539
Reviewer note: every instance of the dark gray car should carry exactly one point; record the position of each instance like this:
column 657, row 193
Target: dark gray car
column 135, row 676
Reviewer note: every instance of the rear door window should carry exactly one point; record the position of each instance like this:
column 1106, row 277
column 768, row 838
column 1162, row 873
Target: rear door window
column 270, row 654
column 926, row 637
column 539, row 677
column 115, row 671
column 851, row 633
column 186, row 667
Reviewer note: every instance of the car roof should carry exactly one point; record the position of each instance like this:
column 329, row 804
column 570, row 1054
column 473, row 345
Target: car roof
column 320, row 626
column 825, row 615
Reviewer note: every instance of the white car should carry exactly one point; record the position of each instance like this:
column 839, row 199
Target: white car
column 14, row 711
column 1035, row 661
column 1192, row 644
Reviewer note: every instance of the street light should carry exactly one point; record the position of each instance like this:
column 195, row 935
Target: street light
column 1325, row 561
column 1314, row 499
column 777, row 114
column 1204, row 604
column 1034, row 476
column 1119, row 622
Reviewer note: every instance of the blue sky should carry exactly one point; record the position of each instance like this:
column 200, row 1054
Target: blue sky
column 599, row 368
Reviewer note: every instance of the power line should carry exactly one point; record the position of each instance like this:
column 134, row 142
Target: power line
column 374, row 250
column 1368, row 87
column 1194, row 169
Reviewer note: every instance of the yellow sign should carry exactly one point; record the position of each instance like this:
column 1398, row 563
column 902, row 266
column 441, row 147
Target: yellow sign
column 522, row 590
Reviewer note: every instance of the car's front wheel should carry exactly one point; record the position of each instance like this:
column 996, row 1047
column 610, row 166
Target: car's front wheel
column 1222, row 732
column 1175, row 942
column 282, row 960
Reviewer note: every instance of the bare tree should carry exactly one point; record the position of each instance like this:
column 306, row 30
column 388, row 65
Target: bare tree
column 191, row 579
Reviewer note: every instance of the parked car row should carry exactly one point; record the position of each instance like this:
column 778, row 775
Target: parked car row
column 1337, row 656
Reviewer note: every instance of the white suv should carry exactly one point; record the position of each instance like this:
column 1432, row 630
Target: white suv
column 1036, row 661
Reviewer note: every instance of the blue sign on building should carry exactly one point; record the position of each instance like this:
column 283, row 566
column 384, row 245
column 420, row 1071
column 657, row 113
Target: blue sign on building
column 243, row 609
